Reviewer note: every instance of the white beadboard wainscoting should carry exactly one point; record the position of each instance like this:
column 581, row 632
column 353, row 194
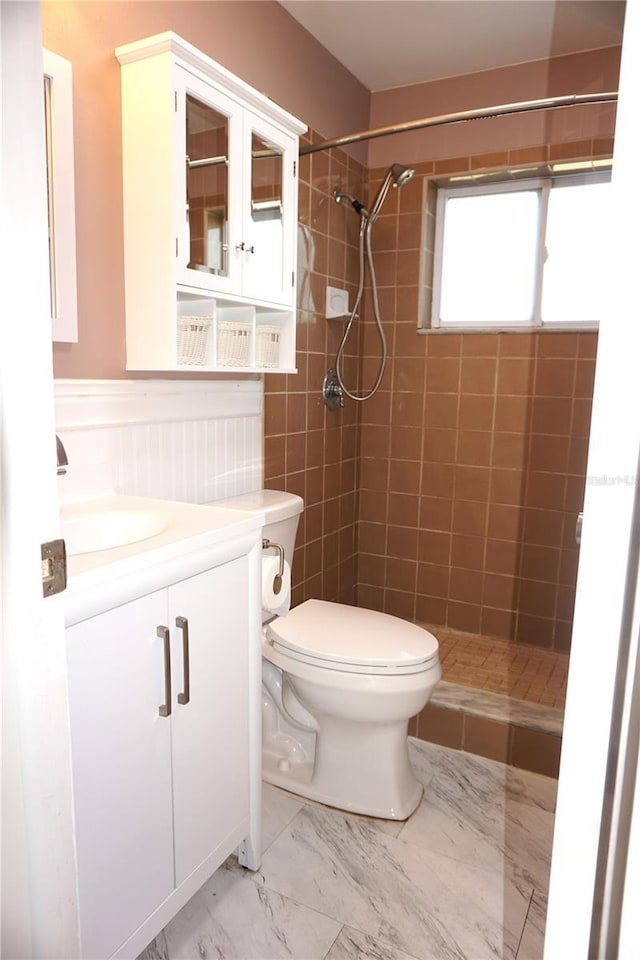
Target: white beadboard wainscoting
column 194, row 441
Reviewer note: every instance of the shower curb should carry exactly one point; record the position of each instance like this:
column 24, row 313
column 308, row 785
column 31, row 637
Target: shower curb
column 497, row 706
column 524, row 735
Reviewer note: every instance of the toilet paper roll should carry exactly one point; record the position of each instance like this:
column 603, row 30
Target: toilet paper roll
column 275, row 602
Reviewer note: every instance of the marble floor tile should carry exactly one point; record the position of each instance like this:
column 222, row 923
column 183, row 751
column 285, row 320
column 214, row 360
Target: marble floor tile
column 353, row 945
column 232, row 917
column 425, row 759
column 478, row 810
column 463, row 878
column 534, row 788
column 278, row 809
column 416, row 901
column 390, row 827
column 532, row 942
column 531, row 788
column 528, row 842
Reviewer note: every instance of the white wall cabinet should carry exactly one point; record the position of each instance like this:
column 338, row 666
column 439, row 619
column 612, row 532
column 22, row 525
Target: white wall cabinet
column 160, row 751
column 210, row 214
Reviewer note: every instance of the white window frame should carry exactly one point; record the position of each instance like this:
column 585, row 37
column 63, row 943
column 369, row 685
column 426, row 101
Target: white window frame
column 62, row 208
column 542, row 183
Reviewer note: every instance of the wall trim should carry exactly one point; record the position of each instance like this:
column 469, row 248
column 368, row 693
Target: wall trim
column 108, row 403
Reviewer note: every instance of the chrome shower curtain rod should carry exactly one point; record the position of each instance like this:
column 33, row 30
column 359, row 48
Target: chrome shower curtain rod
column 485, row 113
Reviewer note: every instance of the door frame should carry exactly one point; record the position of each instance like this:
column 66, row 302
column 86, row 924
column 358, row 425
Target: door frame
column 606, row 584
column 39, row 904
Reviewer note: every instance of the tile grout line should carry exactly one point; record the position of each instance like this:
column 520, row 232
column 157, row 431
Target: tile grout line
column 524, row 924
column 335, row 940
column 281, row 831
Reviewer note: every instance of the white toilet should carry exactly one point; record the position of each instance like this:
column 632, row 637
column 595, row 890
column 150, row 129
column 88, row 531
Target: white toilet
column 339, row 686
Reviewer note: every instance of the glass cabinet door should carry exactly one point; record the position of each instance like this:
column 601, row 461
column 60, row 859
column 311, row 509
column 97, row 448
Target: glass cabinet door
column 267, row 211
column 236, row 204
column 207, row 212
column 209, row 152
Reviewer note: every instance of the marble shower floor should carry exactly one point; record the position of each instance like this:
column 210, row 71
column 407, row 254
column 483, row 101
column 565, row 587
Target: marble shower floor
column 465, row 877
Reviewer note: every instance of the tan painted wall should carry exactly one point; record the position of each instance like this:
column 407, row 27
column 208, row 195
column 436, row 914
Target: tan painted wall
column 261, row 43
column 258, row 41
column 596, row 71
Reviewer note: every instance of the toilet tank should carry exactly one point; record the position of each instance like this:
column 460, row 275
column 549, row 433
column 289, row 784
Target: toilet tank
column 282, row 512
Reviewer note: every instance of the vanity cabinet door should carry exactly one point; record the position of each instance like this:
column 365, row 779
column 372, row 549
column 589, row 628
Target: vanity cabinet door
column 211, row 732
column 121, row 755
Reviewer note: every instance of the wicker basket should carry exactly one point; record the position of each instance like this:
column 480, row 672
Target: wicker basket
column 267, row 346
column 193, row 340
column 234, row 341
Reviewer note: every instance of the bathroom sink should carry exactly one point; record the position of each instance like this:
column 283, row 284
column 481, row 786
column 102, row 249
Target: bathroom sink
column 88, row 532
column 120, row 547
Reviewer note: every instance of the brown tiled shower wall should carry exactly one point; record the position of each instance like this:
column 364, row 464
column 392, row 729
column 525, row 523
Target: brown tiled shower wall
column 308, row 450
column 473, row 454
column 450, row 497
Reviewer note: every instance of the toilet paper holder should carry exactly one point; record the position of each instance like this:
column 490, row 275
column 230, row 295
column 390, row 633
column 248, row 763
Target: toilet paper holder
column 277, row 580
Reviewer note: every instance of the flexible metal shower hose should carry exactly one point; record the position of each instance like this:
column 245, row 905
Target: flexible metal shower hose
column 364, row 240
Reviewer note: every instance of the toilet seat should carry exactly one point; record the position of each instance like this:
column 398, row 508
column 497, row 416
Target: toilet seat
column 334, row 636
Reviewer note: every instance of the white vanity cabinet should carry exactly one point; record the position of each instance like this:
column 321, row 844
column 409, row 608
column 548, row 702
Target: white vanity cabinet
column 160, row 751
column 210, row 214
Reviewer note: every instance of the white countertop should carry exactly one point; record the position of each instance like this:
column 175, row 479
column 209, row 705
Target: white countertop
column 194, row 537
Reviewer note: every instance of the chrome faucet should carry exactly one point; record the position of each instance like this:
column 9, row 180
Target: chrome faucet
column 63, row 460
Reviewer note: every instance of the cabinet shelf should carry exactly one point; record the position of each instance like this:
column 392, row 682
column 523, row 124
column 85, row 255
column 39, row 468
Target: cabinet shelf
column 216, row 334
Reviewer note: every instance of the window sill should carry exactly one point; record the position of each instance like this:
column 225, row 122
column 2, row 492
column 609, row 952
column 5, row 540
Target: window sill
column 547, row 328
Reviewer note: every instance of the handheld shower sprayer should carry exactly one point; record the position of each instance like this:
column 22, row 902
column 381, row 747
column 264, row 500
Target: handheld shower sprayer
column 396, row 176
column 401, row 174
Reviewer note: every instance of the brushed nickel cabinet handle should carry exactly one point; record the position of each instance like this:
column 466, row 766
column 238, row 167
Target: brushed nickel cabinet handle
column 165, row 708
column 183, row 624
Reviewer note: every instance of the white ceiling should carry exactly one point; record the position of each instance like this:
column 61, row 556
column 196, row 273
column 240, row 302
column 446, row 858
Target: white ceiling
column 390, row 43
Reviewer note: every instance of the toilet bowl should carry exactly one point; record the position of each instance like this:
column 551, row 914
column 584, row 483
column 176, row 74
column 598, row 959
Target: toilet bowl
column 351, row 678
column 339, row 685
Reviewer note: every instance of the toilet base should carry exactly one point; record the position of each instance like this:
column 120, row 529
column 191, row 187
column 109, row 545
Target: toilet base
column 298, row 779
column 340, row 737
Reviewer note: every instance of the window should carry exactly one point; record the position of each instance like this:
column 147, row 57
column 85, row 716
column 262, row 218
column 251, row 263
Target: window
column 521, row 253
column 58, row 108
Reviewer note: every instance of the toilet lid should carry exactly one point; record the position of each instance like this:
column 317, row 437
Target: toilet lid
column 352, row 637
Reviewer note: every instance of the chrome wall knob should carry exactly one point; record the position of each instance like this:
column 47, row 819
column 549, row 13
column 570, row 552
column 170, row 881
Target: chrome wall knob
column 332, row 391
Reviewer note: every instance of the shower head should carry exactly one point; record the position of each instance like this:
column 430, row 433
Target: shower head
column 400, row 174
column 340, row 196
